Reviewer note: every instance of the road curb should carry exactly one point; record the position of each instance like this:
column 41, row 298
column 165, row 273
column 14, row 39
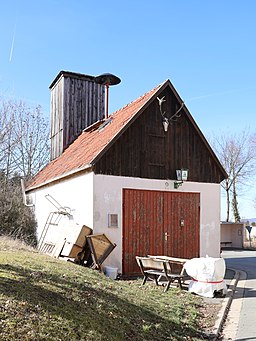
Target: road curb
column 233, row 292
column 225, row 307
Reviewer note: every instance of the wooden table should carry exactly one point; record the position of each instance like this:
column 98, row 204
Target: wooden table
column 156, row 267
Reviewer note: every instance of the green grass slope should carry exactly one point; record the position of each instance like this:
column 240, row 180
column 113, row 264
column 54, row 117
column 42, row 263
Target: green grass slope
column 42, row 298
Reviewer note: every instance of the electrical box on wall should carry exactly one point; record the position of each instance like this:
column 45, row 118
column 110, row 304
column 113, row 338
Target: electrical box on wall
column 112, row 220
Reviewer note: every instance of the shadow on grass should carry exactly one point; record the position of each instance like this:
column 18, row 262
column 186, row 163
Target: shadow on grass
column 111, row 316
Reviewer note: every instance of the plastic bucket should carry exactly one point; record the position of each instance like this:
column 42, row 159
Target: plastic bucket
column 110, row 272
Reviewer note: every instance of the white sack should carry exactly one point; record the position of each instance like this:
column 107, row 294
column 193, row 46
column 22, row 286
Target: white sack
column 207, row 275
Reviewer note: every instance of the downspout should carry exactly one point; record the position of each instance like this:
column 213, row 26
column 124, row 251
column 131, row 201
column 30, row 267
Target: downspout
column 24, row 194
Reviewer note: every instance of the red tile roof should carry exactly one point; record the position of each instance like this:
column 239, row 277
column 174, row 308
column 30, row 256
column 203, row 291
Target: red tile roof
column 92, row 141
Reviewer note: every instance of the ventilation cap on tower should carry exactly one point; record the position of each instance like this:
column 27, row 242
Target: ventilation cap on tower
column 107, row 79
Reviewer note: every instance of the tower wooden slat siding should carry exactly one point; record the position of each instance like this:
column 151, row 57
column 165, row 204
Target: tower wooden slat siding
column 76, row 103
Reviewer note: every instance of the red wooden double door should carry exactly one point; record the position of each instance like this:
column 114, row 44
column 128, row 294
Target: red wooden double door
column 159, row 223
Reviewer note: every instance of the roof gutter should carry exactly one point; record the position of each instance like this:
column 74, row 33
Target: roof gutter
column 86, row 167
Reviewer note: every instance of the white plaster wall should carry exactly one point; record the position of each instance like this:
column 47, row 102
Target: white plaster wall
column 75, row 193
column 92, row 197
column 210, row 219
column 108, row 199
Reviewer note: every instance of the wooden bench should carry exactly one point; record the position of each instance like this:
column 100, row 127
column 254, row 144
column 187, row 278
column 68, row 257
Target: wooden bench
column 226, row 243
column 173, row 261
column 155, row 268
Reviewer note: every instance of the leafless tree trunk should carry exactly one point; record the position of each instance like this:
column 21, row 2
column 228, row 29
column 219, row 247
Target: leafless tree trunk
column 236, row 214
column 227, row 201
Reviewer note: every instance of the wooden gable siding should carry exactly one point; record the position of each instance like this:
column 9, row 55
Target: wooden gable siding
column 144, row 150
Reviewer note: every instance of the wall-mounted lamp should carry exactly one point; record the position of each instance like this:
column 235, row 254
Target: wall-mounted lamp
column 182, row 175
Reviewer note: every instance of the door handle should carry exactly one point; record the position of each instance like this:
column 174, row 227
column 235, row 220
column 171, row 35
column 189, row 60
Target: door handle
column 166, row 235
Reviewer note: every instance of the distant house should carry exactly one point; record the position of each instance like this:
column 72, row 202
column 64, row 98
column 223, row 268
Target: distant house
column 231, row 234
column 117, row 174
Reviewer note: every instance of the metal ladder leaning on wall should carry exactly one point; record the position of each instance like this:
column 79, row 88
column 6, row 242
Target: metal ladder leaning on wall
column 53, row 219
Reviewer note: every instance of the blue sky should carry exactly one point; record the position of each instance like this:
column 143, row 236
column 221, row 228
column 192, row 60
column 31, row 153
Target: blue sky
column 206, row 48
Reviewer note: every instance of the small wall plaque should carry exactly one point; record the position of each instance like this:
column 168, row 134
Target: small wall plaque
column 112, row 220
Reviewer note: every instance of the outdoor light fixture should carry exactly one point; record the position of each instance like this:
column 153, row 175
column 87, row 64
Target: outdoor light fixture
column 182, row 175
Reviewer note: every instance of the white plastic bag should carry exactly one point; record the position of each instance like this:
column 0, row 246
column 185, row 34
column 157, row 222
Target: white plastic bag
column 207, row 275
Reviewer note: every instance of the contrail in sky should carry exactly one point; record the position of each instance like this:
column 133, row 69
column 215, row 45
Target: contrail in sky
column 13, row 38
column 216, row 94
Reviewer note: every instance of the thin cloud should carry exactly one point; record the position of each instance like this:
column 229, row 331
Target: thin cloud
column 216, row 94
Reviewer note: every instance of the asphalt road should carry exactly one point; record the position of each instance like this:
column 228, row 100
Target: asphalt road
column 245, row 260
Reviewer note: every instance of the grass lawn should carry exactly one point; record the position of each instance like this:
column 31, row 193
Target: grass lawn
column 42, row 298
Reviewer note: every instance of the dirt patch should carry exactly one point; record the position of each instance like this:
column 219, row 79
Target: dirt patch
column 209, row 314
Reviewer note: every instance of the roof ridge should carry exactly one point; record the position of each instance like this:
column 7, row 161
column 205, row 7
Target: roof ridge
column 139, row 98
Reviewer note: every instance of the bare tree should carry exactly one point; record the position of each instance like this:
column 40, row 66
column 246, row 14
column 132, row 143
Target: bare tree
column 24, row 149
column 24, row 139
column 237, row 154
column 6, row 140
column 32, row 135
column 16, row 220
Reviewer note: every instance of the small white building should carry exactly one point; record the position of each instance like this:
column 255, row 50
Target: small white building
column 232, row 234
column 117, row 174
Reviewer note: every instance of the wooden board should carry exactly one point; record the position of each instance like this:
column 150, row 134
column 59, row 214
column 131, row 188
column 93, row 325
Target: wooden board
column 74, row 241
column 70, row 250
column 100, row 247
column 76, row 235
